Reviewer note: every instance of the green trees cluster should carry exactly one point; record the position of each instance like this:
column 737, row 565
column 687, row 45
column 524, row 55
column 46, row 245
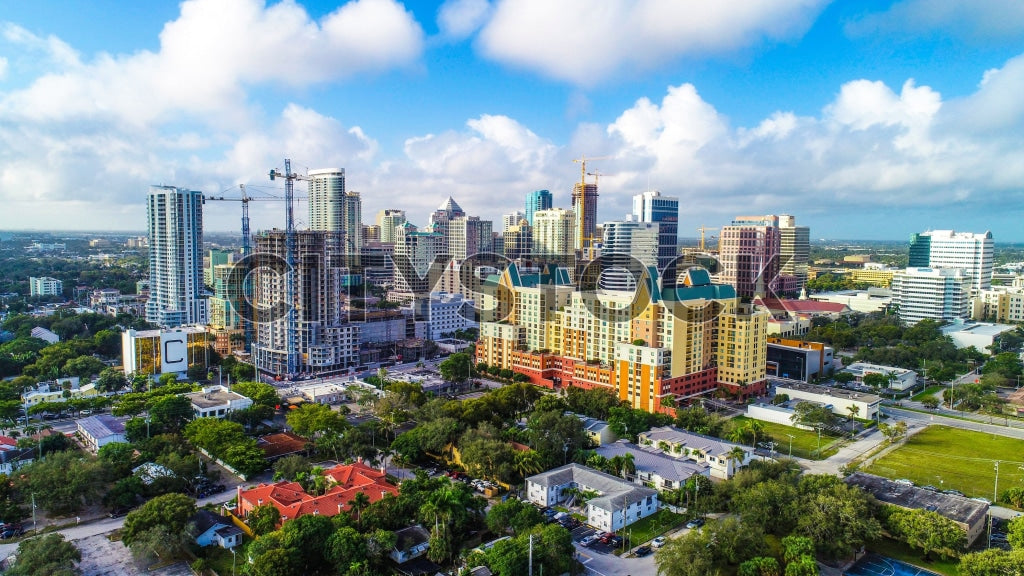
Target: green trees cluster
column 48, row 555
column 161, row 527
column 226, row 441
column 552, row 552
column 994, row 561
column 926, row 530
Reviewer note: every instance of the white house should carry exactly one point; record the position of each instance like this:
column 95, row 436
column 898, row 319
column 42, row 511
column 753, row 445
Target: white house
column 100, row 430
column 655, row 469
column 712, row 452
column 410, row 543
column 214, row 529
column 216, row 402
column 617, row 504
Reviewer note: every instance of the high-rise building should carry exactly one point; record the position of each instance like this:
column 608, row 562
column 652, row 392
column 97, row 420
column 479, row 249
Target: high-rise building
column 554, row 232
column 215, row 257
column 175, row 218
column 646, row 348
column 468, row 236
column 445, row 213
column 949, row 249
column 535, row 202
column 45, row 286
column 794, row 249
column 389, row 220
column 324, row 341
column 371, row 233
column 936, row 293
column 518, row 240
column 629, row 248
column 352, row 220
column 511, row 219
column 584, row 205
column 663, row 210
column 327, row 199
column 415, row 251
column 749, row 255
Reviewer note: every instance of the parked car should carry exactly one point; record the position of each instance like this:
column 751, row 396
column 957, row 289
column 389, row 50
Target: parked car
column 658, row 542
column 643, row 551
column 695, row 523
column 586, row 542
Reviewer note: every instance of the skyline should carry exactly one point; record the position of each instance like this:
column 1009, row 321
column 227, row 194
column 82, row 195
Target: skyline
column 868, row 120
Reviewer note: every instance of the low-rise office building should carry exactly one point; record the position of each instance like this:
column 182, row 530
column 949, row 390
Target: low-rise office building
column 798, row 360
column 217, row 402
column 618, row 503
column 902, row 379
column 969, row 514
column 837, row 399
column 99, row 430
column 981, row 335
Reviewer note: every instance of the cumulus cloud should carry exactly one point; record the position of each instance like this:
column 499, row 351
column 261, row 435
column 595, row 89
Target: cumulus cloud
column 3, row 67
column 458, row 19
column 991, row 20
column 586, row 42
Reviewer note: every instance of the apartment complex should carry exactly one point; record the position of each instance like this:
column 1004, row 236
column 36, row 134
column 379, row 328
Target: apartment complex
column 644, row 346
column 618, row 502
column 389, row 220
column 175, row 217
column 414, row 253
column 324, row 341
column 45, row 286
column 333, row 209
column 999, row 304
column 517, row 240
column 511, row 219
column 970, row 252
column 554, row 232
column 629, row 248
column 936, row 293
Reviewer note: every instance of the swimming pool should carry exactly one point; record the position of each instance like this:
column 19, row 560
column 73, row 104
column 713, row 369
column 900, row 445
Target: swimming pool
column 875, row 565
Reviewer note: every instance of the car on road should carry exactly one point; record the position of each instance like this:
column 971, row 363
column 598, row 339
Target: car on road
column 695, row 523
column 642, row 551
column 658, row 542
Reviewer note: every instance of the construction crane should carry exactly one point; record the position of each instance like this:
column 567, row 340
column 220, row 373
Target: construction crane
column 702, row 230
column 289, row 208
column 581, row 215
column 244, row 198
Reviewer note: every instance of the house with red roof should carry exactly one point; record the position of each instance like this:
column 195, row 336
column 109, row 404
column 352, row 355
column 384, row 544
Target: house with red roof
column 291, row 500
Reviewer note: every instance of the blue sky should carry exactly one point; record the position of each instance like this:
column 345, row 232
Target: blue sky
column 869, row 119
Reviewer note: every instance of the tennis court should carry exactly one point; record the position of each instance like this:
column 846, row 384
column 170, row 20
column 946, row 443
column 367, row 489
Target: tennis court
column 875, row 565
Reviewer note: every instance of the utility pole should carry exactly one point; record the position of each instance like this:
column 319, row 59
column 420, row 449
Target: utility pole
column 531, row 556
column 995, row 489
column 790, row 445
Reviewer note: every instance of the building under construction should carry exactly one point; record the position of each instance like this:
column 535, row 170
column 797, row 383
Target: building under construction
column 324, row 341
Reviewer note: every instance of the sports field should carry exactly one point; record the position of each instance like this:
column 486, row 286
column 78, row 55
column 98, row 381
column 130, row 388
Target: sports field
column 951, row 458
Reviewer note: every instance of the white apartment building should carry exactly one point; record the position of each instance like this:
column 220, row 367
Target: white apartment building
column 628, row 246
column 332, row 209
column 414, row 253
column 389, row 220
column 45, row 286
column 950, row 249
column 175, row 217
column 554, row 232
column 902, row 378
column 999, row 303
column 512, row 219
column 937, row 293
column 704, row 450
column 445, row 313
column 619, row 502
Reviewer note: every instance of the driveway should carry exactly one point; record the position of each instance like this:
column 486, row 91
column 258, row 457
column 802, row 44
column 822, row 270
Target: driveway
column 101, row 557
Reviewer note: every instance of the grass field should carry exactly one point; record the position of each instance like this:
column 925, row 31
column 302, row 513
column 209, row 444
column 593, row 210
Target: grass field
column 929, row 391
column 805, row 442
column 656, row 524
column 959, row 459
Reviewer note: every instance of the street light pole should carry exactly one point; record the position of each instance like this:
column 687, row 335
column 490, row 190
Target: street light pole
column 995, row 488
column 790, row 445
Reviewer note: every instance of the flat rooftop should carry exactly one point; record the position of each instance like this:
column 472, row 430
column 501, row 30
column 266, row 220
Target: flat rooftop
column 827, row 391
column 213, row 399
column 956, row 508
column 979, row 328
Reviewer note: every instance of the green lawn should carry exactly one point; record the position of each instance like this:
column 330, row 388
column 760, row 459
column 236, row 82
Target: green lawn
column 646, row 529
column 929, row 391
column 952, row 458
column 805, row 442
column 901, row 551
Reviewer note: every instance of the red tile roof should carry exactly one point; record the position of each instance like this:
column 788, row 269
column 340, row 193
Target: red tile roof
column 292, row 501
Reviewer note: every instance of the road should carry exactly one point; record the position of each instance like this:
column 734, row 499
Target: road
column 919, row 418
column 106, row 525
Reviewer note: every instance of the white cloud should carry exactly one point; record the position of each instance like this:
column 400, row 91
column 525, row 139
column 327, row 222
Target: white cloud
column 458, row 19
column 586, row 42
column 990, row 20
column 210, row 54
column 3, row 67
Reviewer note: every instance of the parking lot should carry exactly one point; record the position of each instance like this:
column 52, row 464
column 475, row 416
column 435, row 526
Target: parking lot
column 102, row 557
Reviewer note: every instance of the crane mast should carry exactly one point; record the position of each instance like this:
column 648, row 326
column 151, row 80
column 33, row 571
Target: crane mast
column 292, row 361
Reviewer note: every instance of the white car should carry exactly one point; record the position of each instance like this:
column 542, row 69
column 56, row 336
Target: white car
column 658, row 542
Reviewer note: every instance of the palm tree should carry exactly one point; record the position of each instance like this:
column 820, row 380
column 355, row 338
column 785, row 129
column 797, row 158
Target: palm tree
column 358, row 503
column 626, row 466
column 853, row 409
column 527, row 463
column 736, row 455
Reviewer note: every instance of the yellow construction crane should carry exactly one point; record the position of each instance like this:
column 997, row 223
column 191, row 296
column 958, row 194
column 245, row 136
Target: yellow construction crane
column 581, row 215
column 702, row 230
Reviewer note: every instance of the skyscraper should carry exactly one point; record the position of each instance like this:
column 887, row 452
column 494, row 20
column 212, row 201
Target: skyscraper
column 469, row 236
column 663, row 210
column 518, row 240
column 414, row 253
column 794, row 249
column 389, row 220
column 352, row 222
column 749, row 255
column 175, row 256
column 535, row 202
column 511, row 219
column 937, row 293
column 628, row 246
column 327, row 199
column 554, row 232
column 584, row 205
column 949, row 249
